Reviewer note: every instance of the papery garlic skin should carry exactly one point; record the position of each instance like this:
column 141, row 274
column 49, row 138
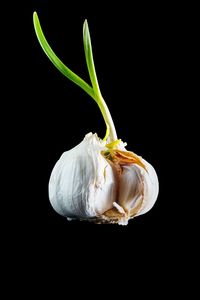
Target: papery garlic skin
column 86, row 185
column 78, row 186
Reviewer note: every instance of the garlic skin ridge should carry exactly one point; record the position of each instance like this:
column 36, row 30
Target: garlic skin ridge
column 86, row 185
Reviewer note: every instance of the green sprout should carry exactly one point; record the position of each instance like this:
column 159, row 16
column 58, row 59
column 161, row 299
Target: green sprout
column 94, row 90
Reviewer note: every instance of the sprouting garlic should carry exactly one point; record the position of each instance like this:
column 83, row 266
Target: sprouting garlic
column 101, row 184
column 98, row 180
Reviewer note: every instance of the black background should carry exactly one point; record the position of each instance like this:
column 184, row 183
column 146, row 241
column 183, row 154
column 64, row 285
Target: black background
column 138, row 58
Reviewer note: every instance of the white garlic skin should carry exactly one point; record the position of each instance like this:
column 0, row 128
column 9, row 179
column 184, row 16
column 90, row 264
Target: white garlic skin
column 78, row 186
column 84, row 185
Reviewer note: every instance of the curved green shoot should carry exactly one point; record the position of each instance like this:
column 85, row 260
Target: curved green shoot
column 56, row 61
column 89, row 58
column 99, row 99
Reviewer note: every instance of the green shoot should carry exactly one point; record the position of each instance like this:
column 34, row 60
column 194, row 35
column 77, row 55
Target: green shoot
column 93, row 91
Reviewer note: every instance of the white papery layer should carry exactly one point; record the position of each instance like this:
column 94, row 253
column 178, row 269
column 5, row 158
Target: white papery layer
column 82, row 183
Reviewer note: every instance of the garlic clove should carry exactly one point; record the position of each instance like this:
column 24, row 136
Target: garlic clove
column 151, row 188
column 130, row 188
column 105, row 193
column 138, row 188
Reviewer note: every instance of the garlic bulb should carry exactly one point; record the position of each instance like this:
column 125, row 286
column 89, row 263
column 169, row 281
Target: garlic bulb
column 90, row 182
column 98, row 180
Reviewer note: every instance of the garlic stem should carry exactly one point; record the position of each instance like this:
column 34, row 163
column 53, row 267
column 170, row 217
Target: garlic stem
column 93, row 77
column 107, row 118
